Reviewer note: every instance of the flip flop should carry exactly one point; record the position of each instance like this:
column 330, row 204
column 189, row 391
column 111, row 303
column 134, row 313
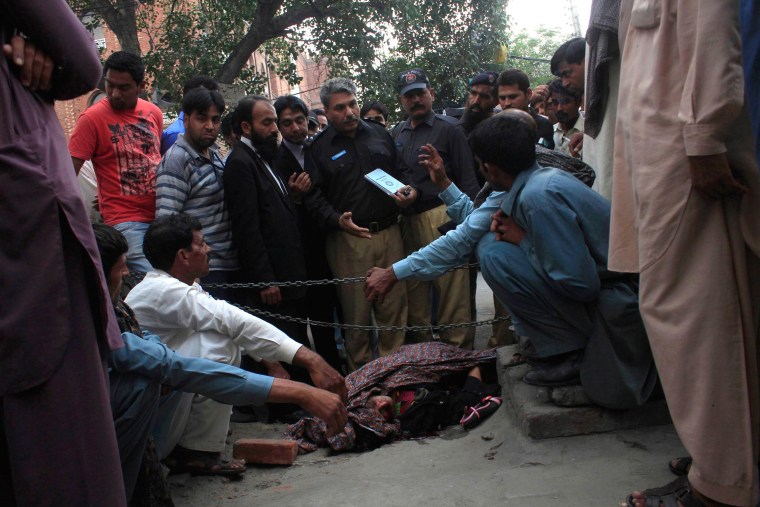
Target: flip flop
column 681, row 466
column 477, row 414
column 193, row 462
column 669, row 495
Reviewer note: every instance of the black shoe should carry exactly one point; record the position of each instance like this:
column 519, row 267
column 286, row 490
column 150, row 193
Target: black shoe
column 563, row 373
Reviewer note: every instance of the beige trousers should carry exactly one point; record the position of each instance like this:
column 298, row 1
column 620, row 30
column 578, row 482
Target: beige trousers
column 200, row 423
column 453, row 288
column 350, row 256
column 700, row 304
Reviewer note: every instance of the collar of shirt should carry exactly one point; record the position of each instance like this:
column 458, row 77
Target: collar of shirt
column 296, row 150
column 249, row 143
column 522, row 178
column 577, row 127
column 429, row 119
column 213, row 155
column 330, row 134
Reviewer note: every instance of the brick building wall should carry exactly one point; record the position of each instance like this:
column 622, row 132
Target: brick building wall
column 313, row 74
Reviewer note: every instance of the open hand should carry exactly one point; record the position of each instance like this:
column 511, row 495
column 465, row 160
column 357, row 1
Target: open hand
column 431, row 160
column 347, row 224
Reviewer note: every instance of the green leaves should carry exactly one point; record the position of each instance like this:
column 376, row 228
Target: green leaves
column 371, row 41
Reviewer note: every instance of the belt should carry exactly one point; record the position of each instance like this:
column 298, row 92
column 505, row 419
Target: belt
column 381, row 224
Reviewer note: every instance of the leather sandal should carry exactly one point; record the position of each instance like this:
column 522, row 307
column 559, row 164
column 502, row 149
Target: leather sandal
column 669, row 495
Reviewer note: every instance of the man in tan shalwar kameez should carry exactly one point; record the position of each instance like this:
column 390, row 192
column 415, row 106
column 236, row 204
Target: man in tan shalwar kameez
column 693, row 230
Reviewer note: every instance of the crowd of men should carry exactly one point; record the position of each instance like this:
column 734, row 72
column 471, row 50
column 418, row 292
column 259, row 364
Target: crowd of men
column 650, row 275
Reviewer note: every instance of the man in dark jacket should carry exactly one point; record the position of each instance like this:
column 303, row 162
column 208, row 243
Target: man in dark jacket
column 264, row 217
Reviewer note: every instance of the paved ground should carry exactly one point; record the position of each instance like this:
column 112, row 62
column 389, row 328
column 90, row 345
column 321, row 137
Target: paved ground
column 494, row 464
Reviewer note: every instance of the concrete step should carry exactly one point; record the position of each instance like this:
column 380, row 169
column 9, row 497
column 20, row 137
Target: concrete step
column 547, row 412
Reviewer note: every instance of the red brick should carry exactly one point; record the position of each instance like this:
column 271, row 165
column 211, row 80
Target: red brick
column 265, row 452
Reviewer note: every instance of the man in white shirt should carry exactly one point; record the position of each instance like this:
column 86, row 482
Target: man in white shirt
column 169, row 303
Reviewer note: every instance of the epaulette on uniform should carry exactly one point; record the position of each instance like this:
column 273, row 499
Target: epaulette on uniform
column 448, row 119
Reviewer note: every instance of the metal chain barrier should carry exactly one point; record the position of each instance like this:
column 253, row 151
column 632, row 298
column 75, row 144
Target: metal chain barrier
column 335, row 281
column 138, row 275
column 436, row 328
column 308, row 283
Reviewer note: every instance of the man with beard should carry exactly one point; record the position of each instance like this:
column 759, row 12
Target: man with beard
column 420, row 222
column 264, row 217
column 363, row 221
column 177, row 127
column 569, row 120
column 482, row 99
column 122, row 136
column 189, row 180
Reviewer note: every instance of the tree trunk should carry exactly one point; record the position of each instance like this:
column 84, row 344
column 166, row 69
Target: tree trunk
column 239, row 57
column 123, row 22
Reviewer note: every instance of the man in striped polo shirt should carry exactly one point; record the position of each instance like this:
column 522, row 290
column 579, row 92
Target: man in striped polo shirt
column 189, row 180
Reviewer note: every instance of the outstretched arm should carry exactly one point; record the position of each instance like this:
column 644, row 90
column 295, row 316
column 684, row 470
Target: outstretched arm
column 322, row 374
column 222, row 382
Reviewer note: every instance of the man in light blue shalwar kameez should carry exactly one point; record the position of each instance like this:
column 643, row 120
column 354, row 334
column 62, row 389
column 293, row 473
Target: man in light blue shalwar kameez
column 547, row 263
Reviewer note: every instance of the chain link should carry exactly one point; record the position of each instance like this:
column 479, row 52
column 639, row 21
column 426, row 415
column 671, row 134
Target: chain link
column 334, row 325
column 336, row 281
column 309, row 283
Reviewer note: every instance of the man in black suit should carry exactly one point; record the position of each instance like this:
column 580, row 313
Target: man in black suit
column 264, row 216
column 321, row 300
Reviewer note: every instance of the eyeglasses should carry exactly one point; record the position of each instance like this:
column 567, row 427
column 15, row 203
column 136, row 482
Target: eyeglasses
column 378, row 118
